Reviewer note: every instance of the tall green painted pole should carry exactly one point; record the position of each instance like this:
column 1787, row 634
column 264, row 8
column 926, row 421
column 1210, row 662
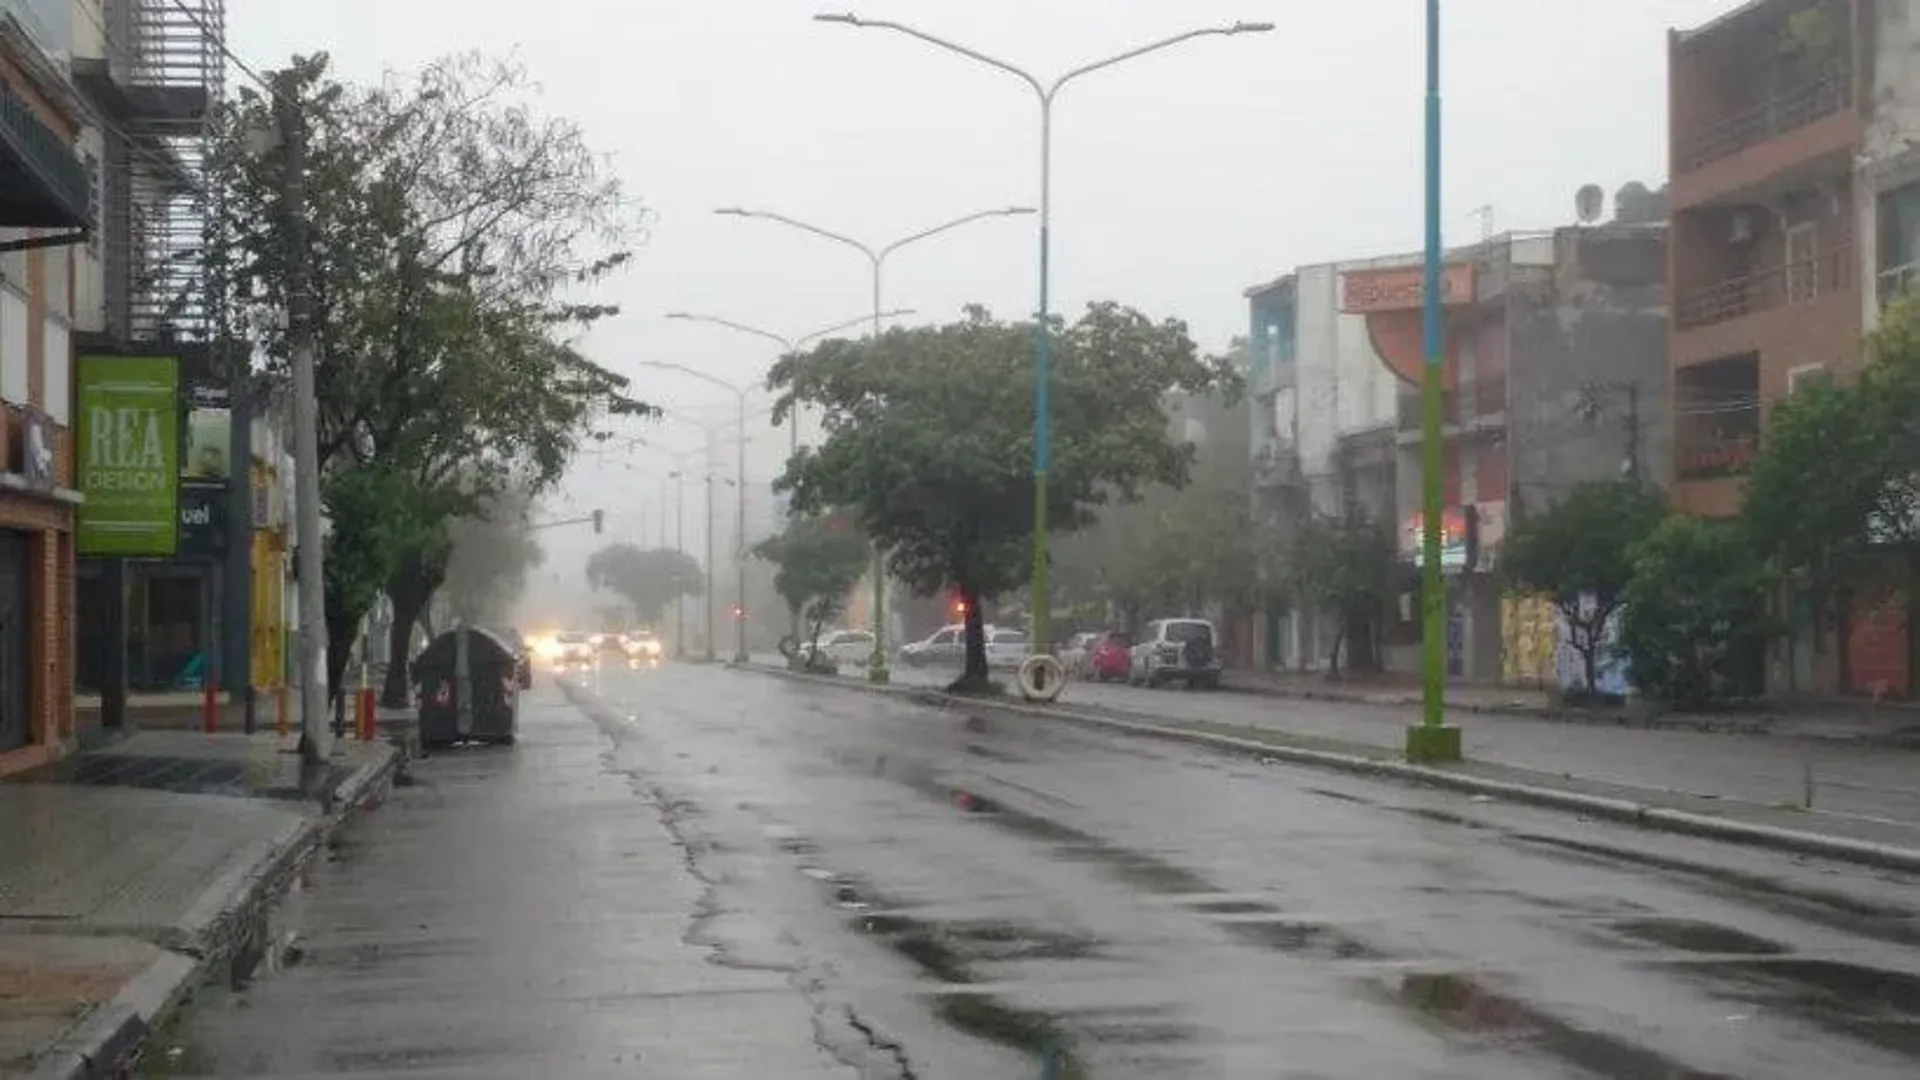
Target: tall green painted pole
column 1433, row 740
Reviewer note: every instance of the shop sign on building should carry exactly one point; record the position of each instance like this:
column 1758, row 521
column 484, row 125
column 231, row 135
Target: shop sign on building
column 128, row 432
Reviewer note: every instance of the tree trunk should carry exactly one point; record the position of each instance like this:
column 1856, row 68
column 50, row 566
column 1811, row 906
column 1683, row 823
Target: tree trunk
column 411, row 591
column 973, row 674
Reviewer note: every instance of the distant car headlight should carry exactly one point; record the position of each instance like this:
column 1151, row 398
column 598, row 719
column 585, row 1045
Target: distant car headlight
column 547, row 649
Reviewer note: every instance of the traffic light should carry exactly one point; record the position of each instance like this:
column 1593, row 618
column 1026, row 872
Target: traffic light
column 739, row 612
column 599, row 521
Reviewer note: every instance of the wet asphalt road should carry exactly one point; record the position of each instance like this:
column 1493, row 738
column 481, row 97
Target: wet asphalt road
column 1848, row 780
column 908, row 892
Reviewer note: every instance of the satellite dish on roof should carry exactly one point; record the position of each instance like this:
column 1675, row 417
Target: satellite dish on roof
column 1588, row 202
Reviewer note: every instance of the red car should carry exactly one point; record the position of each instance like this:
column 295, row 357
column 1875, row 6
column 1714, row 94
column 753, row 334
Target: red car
column 1109, row 659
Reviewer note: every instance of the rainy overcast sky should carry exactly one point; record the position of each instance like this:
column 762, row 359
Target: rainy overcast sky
column 1179, row 179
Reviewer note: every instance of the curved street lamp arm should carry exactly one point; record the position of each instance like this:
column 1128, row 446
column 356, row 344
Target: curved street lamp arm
column 731, row 325
column 816, row 230
column 979, row 215
column 713, row 380
column 943, row 43
column 1152, row 47
column 863, row 320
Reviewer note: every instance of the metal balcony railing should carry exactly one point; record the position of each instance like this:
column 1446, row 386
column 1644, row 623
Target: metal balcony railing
column 1790, row 283
column 1723, row 444
column 34, row 149
column 1896, row 280
column 1793, row 108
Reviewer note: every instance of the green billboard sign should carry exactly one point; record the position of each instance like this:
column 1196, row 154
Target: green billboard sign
column 129, row 451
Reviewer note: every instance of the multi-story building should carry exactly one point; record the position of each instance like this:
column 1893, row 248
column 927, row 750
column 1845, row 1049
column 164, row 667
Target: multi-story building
column 44, row 216
column 1320, row 399
column 1554, row 370
column 1795, row 212
column 150, row 73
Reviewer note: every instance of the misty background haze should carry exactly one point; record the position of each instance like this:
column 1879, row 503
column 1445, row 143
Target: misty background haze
column 1179, row 181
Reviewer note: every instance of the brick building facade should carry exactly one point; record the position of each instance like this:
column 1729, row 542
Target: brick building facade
column 44, row 210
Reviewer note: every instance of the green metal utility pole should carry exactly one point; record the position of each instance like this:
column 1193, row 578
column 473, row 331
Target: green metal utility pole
column 1433, row 740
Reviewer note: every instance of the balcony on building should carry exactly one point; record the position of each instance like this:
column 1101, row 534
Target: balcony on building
column 1759, row 91
column 1780, row 272
column 1716, row 432
column 151, row 65
column 43, row 185
column 1471, row 409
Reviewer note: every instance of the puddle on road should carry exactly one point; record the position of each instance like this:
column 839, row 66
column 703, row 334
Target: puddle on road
column 1829, row 908
column 1463, row 1004
column 1690, row 935
column 1873, row 1005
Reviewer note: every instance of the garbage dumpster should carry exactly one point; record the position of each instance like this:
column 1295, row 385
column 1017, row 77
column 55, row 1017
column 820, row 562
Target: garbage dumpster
column 469, row 688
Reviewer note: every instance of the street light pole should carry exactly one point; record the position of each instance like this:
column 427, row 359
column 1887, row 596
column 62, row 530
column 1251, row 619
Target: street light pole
column 1043, row 330
column 710, row 623
column 740, row 521
column 876, row 259
column 680, row 545
column 1433, row 740
column 789, row 347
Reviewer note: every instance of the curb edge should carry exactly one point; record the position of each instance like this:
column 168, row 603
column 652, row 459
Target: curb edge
column 1642, row 815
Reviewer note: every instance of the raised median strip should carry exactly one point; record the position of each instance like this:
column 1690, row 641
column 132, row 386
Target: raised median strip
column 1676, row 812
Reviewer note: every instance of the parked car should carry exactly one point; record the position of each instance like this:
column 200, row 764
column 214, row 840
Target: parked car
column 1007, row 648
column 851, row 647
column 946, row 646
column 1110, row 658
column 1176, row 650
column 1077, row 652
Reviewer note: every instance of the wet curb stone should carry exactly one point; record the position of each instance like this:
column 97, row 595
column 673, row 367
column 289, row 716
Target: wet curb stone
column 1858, row 852
column 215, row 932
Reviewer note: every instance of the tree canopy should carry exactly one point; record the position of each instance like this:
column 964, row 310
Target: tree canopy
column 1347, row 566
column 1837, row 479
column 1579, row 552
column 818, row 559
column 1176, row 549
column 649, row 579
column 1696, row 622
column 449, row 231
column 929, row 438
column 490, row 552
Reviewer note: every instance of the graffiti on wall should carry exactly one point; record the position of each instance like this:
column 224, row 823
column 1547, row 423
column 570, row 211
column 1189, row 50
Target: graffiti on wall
column 1529, row 626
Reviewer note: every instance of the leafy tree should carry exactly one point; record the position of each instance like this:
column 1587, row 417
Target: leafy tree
column 490, row 553
column 647, row 578
column 929, row 440
column 1833, row 491
column 818, row 560
column 1176, row 549
column 1695, row 625
column 446, row 230
column 1579, row 552
column 1348, row 566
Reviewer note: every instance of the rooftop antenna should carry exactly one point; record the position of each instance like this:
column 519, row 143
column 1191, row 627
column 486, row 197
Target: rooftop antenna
column 1485, row 214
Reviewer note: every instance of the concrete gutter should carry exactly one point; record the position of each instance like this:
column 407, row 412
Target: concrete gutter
column 223, row 931
column 1625, row 811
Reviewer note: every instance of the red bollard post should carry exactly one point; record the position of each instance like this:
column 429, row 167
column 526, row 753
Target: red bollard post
column 363, row 722
column 210, row 708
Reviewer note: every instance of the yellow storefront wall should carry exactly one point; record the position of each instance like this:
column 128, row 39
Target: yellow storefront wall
column 269, row 600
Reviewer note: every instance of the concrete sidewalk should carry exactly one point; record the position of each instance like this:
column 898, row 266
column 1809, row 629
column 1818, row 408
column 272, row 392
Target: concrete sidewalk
column 1889, row 723
column 133, row 871
column 1710, row 804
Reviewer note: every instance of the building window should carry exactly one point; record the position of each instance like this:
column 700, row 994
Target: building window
column 13, row 347
column 57, row 386
column 1899, row 241
column 167, row 623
